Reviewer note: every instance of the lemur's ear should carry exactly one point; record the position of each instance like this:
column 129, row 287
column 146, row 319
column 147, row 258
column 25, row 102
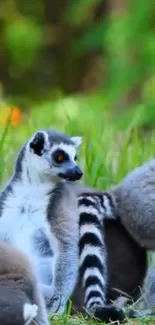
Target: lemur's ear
column 77, row 141
column 37, row 143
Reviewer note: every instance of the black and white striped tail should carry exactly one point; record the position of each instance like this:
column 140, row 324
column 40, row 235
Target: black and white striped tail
column 93, row 209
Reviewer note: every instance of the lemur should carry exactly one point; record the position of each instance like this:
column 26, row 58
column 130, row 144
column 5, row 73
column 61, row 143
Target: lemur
column 134, row 201
column 21, row 299
column 40, row 215
column 102, row 270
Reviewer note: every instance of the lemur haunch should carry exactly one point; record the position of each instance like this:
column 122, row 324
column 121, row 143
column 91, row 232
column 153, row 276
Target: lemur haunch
column 44, row 221
column 21, row 300
column 38, row 213
column 135, row 198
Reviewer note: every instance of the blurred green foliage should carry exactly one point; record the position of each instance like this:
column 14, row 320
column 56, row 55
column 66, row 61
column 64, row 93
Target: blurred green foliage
column 23, row 39
column 67, row 46
column 102, row 50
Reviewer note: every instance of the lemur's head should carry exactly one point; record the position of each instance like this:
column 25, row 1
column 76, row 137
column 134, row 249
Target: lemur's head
column 54, row 154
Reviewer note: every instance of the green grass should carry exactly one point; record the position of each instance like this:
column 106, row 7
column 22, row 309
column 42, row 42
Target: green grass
column 111, row 147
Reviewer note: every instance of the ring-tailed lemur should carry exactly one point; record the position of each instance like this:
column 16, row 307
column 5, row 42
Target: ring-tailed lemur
column 21, row 299
column 134, row 204
column 94, row 208
column 39, row 215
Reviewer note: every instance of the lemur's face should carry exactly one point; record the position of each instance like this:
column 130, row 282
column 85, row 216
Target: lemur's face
column 55, row 155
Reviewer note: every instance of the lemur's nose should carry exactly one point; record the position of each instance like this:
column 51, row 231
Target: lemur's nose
column 74, row 174
column 78, row 172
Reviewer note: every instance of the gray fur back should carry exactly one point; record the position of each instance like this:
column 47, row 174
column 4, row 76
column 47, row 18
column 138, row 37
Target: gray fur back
column 135, row 197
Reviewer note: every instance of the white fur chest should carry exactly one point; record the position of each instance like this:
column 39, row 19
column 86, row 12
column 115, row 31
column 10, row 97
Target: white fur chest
column 24, row 212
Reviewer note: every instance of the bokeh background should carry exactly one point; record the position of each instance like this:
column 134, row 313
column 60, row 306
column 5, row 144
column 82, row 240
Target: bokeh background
column 81, row 66
column 69, row 47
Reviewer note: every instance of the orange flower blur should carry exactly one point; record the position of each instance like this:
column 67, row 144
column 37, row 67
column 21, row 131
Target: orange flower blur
column 14, row 113
column 16, row 116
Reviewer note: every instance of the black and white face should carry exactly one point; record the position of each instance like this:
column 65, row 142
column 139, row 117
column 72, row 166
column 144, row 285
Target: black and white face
column 54, row 154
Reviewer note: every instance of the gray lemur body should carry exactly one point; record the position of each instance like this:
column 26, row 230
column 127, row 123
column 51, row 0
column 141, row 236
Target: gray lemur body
column 21, row 300
column 135, row 206
column 135, row 200
column 38, row 213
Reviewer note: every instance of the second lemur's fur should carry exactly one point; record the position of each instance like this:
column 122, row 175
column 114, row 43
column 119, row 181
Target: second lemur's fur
column 134, row 204
column 135, row 199
column 21, row 300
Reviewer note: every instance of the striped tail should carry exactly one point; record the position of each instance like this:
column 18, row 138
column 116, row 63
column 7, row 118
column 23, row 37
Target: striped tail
column 93, row 265
column 93, row 209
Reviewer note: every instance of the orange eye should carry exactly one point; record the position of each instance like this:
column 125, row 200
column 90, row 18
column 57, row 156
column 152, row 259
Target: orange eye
column 60, row 157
